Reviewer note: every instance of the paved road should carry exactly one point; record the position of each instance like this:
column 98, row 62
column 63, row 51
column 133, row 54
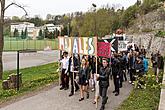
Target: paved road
column 28, row 59
column 54, row 99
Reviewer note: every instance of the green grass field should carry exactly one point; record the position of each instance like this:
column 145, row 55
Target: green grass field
column 32, row 78
column 14, row 44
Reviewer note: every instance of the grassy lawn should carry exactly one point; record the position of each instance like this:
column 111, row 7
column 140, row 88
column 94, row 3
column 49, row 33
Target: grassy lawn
column 33, row 78
column 143, row 99
column 11, row 45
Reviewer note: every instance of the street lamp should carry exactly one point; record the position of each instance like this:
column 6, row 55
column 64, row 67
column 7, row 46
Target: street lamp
column 68, row 29
column 94, row 10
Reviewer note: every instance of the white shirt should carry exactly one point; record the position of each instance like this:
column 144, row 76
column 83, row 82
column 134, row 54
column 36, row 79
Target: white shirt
column 65, row 63
column 71, row 67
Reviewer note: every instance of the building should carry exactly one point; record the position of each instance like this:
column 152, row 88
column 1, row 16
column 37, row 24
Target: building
column 33, row 31
column 52, row 27
column 21, row 26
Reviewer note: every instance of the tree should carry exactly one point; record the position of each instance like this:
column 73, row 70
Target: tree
column 15, row 19
column 16, row 33
column 37, row 21
column 48, row 16
column 149, row 5
column 3, row 8
column 129, row 15
column 22, row 34
column 25, row 33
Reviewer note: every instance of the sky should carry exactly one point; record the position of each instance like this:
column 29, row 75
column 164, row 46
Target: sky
column 59, row 7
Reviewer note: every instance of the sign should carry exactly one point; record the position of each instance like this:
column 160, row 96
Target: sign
column 78, row 45
column 113, row 42
column 104, row 49
column 122, row 45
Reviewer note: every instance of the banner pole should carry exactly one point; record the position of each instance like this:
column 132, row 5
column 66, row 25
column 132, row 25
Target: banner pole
column 96, row 69
column 73, row 62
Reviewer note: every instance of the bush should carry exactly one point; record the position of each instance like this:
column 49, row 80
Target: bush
column 149, row 81
column 160, row 34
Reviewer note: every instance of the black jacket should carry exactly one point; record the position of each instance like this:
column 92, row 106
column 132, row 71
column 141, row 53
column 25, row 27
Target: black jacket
column 104, row 77
column 115, row 66
column 75, row 63
column 83, row 73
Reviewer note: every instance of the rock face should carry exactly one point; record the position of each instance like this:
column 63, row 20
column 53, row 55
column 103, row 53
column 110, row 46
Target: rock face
column 143, row 31
column 151, row 22
column 149, row 41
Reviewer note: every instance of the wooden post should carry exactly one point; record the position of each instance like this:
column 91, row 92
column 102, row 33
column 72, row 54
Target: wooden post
column 59, row 66
column 96, row 70
column 73, row 64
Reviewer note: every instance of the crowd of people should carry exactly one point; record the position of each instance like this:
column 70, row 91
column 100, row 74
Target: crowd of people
column 84, row 76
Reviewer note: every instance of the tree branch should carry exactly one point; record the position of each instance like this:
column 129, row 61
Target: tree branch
column 17, row 6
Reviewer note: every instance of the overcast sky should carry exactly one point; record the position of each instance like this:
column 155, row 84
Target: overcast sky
column 55, row 7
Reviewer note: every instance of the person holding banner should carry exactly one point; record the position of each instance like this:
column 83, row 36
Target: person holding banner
column 72, row 68
column 83, row 79
column 64, row 75
column 103, row 78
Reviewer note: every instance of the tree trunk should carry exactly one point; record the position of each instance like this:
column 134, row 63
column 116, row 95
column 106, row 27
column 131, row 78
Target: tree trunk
column 2, row 4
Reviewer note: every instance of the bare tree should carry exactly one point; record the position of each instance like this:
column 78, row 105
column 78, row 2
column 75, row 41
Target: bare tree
column 3, row 8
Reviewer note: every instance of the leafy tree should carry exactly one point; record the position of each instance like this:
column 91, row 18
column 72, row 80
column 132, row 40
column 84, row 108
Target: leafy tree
column 25, row 33
column 22, row 34
column 16, row 33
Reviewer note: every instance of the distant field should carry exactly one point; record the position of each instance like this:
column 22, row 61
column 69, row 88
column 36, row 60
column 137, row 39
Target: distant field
column 18, row 44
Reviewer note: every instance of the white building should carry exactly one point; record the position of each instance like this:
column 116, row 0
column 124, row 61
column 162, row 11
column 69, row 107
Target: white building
column 52, row 27
column 21, row 26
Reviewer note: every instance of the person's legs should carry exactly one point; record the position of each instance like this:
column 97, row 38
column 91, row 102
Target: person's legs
column 75, row 83
column 81, row 93
column 104, row 98
column 131, row 75
column 116, row 83
column 67, row 81
column 96, row 92
column 121, row 78
column 85, row 89
column 72, row 87
column 125, row 76
column 63, row 79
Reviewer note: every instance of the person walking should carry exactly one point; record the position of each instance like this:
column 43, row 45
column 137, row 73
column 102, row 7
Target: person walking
column 83, row 79
column 64, row 75
column 103, row 78
column 72, row 68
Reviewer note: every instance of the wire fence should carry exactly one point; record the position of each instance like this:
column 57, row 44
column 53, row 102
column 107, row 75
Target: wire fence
column 14, row 44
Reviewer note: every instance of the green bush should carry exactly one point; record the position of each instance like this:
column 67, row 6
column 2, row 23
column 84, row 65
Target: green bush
column 160, row 34
column 149, row 81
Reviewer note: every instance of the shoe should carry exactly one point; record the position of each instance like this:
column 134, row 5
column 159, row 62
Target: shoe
column 94, row 102
column 116, row 94
column 102, row 107
column 61, row 88
column 81, row 99
column 87, row 95
column 120, row 86
column 114, row 91
column 66, row 88
column 93, row 90
column 70, row 94
column 130, row 82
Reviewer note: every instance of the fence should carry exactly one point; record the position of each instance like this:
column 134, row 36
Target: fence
column 13, row 44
